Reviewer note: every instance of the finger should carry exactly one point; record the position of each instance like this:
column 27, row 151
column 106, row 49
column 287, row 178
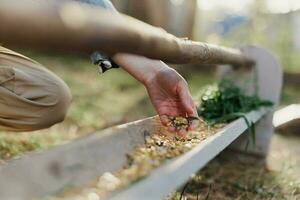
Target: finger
column 187, row 100
column 195, row 112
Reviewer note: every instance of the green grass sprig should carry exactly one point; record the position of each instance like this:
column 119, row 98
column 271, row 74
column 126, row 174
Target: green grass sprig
column 226, row 102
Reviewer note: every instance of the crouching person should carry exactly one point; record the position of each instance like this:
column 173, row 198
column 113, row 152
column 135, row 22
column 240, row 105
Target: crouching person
column 31, row 97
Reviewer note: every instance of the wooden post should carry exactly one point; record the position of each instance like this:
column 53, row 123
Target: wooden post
column 265, row 79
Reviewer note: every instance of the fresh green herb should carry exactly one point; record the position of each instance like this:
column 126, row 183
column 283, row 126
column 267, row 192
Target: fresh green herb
column 226, row 102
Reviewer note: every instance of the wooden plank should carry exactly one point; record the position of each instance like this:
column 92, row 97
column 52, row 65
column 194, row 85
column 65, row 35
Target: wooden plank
column 265, row 80
column 172, row 175
column 287, row 116
column 73, row 164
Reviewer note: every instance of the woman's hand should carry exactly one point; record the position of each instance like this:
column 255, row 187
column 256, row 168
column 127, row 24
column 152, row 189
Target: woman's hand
column 168, row 91
column 170, row 95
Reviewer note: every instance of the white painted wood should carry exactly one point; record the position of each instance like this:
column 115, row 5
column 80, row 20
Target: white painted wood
column 173, row 174
column 295, row 21
column 286, row 116
column 47, row 172
column 265, row 79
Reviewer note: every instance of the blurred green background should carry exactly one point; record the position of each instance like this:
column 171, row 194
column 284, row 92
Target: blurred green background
column 115, row 97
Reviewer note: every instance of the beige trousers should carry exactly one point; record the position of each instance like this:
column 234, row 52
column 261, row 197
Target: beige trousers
column 31, row 97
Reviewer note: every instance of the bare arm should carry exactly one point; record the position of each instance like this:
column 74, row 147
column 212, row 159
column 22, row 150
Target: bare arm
column 67, row 26
column 57, row 25
column 72, row 27
column 168, row 91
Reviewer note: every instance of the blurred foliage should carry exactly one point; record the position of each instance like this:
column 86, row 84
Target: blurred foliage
column 268, row 30
column 13, row 147
column 279, row 43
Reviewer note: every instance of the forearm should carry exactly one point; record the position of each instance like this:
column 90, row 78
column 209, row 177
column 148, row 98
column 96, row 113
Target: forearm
column 68, row 26
column 141, row 68
column 54, row 25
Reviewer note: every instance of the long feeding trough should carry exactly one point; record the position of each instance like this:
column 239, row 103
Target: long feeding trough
column 48, row 172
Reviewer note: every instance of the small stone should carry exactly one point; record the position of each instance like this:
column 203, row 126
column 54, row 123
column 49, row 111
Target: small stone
column 93, row 196
column 109, row 181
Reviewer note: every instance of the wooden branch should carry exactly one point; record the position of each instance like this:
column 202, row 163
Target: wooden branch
column 70, row 26
column 265, row 80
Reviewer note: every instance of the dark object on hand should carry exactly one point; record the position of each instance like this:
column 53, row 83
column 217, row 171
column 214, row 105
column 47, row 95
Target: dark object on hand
column 103, row 62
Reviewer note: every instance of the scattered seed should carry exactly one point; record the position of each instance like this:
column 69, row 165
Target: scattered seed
column 143, row 159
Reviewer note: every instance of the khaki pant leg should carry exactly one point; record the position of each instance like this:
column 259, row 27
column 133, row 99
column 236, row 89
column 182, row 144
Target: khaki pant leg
column 31, row 97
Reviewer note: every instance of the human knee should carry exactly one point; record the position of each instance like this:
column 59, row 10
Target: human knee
column 56, row 113
column 30, row 115
column 32, row 97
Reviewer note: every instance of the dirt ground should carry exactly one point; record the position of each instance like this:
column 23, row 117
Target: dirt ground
column 230, row 177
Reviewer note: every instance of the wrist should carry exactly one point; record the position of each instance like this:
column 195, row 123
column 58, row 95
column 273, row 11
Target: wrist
column 142, row 68
column 153, row 69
